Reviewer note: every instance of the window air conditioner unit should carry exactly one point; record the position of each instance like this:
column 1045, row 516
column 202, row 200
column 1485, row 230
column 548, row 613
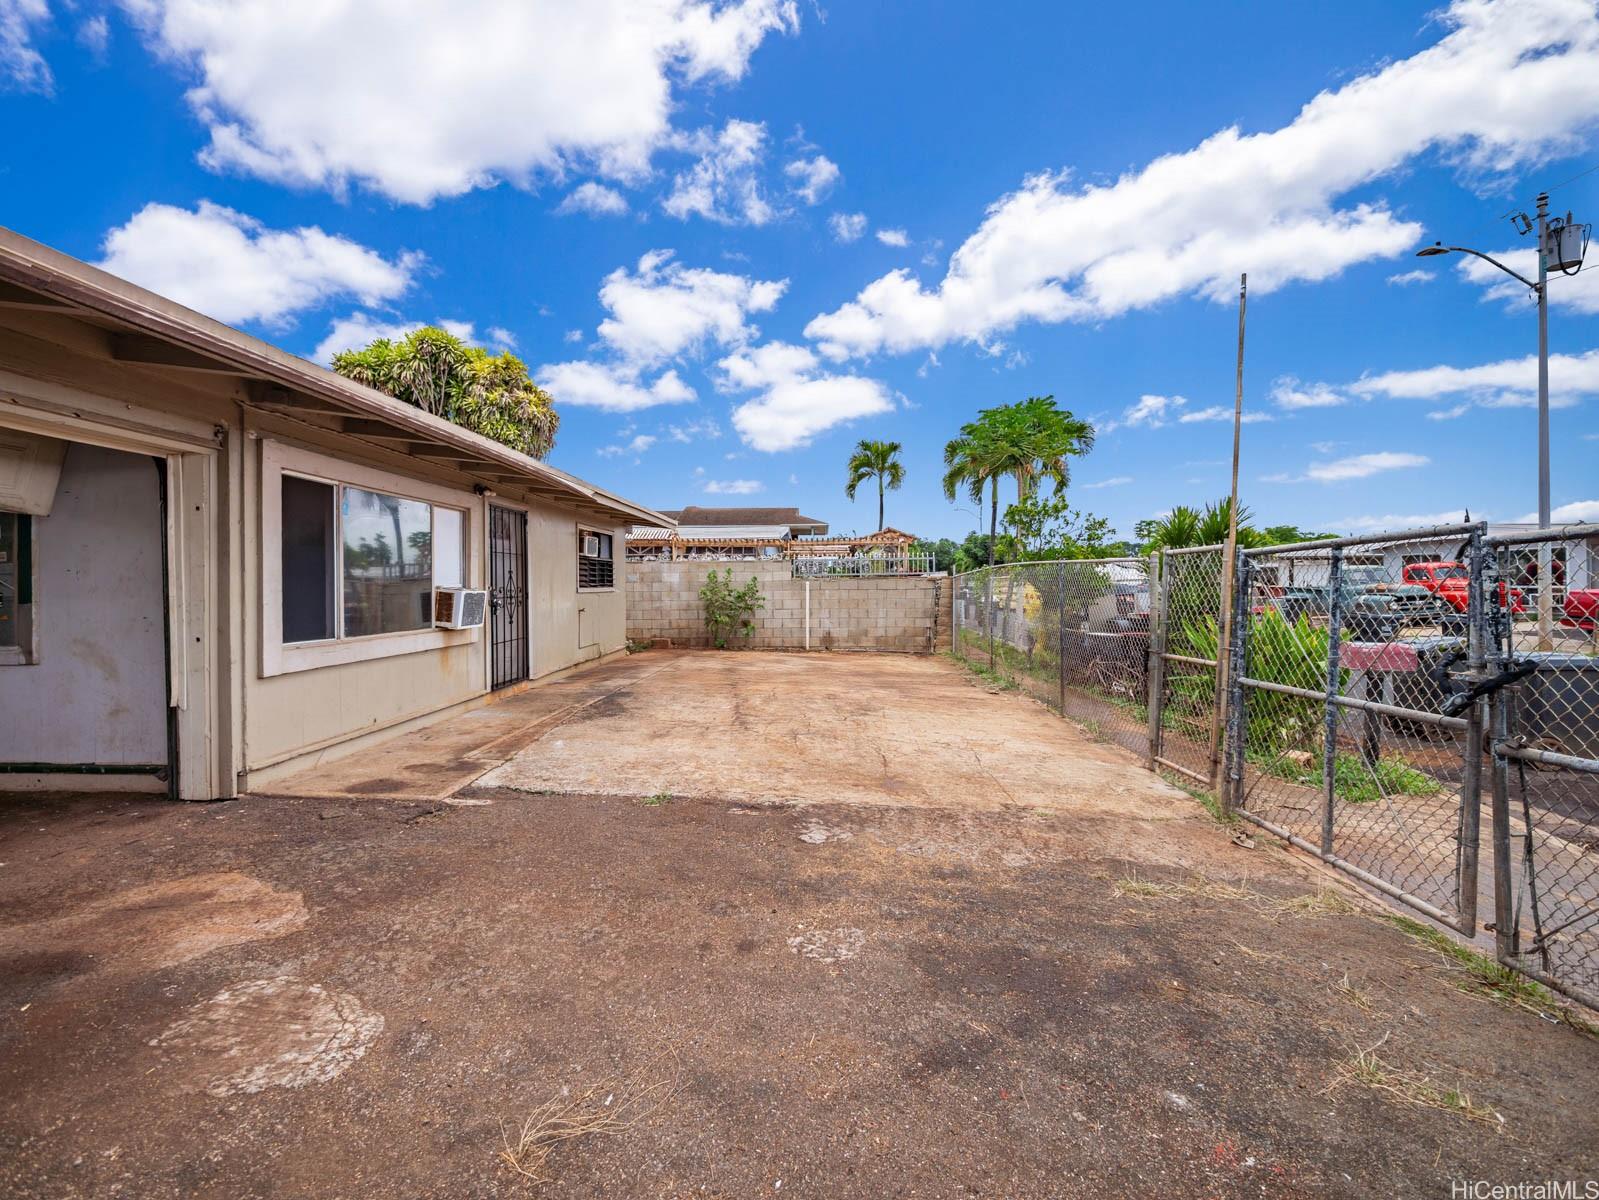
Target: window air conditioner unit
column 591, row 545
column 459, row 608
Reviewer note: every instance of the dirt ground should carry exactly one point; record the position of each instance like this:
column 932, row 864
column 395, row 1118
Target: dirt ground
column 817, row 926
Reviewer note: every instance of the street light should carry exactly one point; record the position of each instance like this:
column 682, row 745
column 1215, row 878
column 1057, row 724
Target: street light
column 1561, row 246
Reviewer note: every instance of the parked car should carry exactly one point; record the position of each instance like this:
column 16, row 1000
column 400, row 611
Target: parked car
column 1581, row 609
column 1374, row 608
column 1451, row 582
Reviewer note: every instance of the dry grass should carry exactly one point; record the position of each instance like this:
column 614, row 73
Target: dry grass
column 609, row 1107
column 1356, row 996
column 1197, row 887
column 1366, row 1069
column 1322, row 903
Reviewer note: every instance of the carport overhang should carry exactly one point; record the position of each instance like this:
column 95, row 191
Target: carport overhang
column 148, row 333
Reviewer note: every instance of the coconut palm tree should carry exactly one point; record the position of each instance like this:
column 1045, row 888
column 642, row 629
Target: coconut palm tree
column 875, row 460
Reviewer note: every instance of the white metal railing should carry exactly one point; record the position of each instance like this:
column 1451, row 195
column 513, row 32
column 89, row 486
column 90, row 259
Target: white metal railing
column 816, row 565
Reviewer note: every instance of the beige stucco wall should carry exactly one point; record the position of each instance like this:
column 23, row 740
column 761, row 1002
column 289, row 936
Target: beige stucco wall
column 270, row 723
column 888, row 613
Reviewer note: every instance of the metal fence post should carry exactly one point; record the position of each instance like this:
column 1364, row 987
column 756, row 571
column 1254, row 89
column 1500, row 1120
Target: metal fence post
column 1159, row 602
column 954, row 615
column 1506, row 936
column 1477, row 638
column 1060, row 631
column 1329, row 754
column 988, row 607
column 1232, row 782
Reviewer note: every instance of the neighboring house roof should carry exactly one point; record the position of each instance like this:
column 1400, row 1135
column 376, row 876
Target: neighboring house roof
column 790, row 518
column 712, row 533
column 145, row 330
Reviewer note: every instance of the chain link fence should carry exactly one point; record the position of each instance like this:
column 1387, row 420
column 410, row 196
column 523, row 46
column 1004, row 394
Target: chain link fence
column 1385, row 702
column 1074, row 634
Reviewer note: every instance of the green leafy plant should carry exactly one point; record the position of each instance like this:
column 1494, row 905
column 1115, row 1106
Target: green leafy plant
column 730, row 611
column 490, row 394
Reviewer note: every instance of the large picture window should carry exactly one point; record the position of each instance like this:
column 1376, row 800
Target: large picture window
column 596, row 566
column 359, row 562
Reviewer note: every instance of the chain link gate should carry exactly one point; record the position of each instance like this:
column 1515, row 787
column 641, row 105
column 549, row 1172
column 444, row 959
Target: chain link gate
column 1184, row 730
column 1347, row 739
column 1545, row 755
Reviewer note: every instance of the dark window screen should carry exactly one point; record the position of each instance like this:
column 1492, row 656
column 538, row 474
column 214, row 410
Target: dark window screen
column 308, row 614
column 596, row 570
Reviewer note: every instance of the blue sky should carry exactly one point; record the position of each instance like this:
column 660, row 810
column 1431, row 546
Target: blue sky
column 732, row 239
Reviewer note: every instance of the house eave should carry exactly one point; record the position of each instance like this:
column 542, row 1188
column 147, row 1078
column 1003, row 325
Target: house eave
column 152, row 332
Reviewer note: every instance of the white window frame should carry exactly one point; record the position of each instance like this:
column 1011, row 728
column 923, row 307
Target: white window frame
column 577, row 563
column 282, row 658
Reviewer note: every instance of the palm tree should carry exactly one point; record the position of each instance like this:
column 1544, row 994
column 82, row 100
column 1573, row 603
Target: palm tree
column 879, row 460
column 1030, row 441
column 1047, row 436
column 1185, row 526
column 975, row 459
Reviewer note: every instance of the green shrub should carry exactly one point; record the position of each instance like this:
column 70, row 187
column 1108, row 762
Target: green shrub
column 730, row 611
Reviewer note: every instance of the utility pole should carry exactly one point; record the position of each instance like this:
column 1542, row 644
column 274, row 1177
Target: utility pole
column 1229, row 556
column 1546, row 599
column 1561, row 245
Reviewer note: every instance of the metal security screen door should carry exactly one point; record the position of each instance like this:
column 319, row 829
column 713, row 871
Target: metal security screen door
column 508, row 594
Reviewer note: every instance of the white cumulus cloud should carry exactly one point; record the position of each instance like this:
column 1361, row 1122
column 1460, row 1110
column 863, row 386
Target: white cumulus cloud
column 595, row 200
column 611, row 387
column 811, row 179
column 1579, row 292
column 847, row 227
column 22, row 67
column 1287, row 392
column 796, row 399
column 723, row 184
column 440, row 99
column 663, row 309
column 360, row 329
column 1356, row 466
column 893, row 237
column 231, row 267
column 1508, row 84
column 732, row 487
column 1148, row 412
column 1221, row 412
column 1578, row 511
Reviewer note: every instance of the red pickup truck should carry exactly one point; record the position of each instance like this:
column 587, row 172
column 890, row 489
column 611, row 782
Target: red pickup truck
column 1451, row 582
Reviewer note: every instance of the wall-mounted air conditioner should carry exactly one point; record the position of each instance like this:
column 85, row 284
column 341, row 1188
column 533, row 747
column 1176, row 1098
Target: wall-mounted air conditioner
column 591, row 545
column 459, row 608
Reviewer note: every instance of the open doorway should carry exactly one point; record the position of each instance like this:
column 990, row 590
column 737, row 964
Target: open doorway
column 84, row 656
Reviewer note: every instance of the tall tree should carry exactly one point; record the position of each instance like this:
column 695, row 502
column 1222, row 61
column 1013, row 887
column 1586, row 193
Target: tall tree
column 974, row 459
column 489, row 394
column 1030, row 442
column 875, row 460
column 1047, row 437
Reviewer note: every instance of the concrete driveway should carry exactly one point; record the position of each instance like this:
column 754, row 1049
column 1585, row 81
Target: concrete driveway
column 760, row 924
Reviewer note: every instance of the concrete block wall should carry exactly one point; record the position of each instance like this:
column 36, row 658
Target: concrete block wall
column 897, row 614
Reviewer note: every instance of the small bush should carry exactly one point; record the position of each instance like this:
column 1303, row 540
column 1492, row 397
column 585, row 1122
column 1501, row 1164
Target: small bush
column 730, row 611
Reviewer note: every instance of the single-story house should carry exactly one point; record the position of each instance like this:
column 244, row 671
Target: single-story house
column 791, row 519
column 220, row 563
